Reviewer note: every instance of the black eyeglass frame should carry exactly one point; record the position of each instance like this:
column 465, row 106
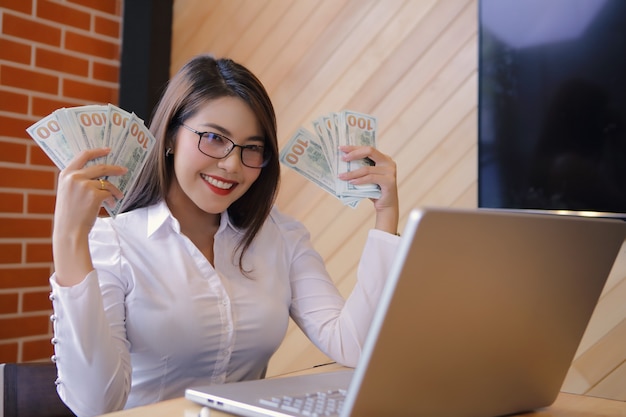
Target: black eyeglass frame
column 266, row 158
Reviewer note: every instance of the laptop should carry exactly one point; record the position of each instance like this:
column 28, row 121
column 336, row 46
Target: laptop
column 481, row 316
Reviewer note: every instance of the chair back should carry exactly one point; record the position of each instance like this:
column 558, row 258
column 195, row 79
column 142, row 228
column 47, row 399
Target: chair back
column 29, row 390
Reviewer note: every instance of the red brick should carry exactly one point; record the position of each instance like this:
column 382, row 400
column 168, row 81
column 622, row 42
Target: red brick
column 24, row 326
column 10, row 253
column 24, row 277
column 104, row 72
column 27, row 178
column 107, row 27
column 17, row 5
column 107, row 6
column 8, row 303
column 13, row 152
column 40, row 204
column 38, row 350
column 86, row 91
column 13, row 127
column 22, row 228
column 31, row 30
column 61, row 62
column 63, row 14
column 11, row 202
column 13, row 102
column 8, row 352
column 36, row 301
column 38, row 252
column 44, row 106
column 14, row 51
column 114, row 97
column 39, row 157
column 91, row 46
column 29, row 80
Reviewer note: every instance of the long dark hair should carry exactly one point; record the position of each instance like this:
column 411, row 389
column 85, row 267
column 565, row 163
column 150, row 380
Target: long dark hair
column 200, row 80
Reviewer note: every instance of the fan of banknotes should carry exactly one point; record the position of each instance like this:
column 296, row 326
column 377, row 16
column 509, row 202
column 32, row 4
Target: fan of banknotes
column 317, row 158
column 67, row 131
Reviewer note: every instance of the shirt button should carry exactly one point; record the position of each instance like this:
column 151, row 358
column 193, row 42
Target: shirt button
column 53, row 318
column 54, row 341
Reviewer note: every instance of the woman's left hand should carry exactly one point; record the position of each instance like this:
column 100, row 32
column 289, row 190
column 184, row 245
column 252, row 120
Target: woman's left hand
column 383, row 173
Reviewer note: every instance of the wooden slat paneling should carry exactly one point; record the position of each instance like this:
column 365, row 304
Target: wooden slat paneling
column 412, row 64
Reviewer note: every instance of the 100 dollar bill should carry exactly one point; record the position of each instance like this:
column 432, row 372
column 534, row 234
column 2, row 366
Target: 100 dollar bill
column 317, row 157
column 304, row 154
column 51, row 139
column 67, row 131
column 137, row 143
column 356, row 129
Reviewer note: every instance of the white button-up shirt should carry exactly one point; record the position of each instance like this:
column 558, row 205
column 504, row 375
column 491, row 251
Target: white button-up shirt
column 155, row 317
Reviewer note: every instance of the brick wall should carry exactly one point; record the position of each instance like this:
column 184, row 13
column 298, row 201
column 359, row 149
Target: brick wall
column 53, row 54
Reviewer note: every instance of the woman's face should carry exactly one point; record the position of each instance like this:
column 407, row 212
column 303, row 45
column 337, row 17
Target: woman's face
column 214, row 184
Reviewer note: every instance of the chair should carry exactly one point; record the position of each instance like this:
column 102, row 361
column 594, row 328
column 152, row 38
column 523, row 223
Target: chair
column 29, row 390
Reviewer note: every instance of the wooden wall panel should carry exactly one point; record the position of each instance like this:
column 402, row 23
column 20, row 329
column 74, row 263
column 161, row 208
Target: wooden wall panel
column 412, row 64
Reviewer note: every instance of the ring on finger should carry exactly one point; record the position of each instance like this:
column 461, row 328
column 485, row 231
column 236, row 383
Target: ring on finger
column 102, row 184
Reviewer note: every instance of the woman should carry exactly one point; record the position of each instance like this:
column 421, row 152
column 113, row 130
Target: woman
column 195, row 281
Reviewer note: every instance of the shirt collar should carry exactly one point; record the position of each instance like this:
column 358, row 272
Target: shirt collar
column 160, row 216
column 225, row 223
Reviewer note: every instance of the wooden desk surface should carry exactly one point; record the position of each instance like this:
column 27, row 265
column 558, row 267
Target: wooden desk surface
column 566, row 405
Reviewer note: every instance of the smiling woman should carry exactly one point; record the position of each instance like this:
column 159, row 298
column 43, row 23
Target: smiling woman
column 195, row 280
column 225, row 173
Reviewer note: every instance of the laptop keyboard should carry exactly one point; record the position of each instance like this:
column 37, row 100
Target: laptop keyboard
column 316, row 404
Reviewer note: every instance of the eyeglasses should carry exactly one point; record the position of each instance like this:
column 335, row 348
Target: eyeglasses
column 218, row 146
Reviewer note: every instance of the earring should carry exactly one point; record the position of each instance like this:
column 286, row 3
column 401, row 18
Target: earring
column 168, row 152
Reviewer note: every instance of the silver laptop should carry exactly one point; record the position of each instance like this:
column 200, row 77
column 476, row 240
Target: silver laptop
column 481, row 316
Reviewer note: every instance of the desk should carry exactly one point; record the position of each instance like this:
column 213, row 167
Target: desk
column 566, row 405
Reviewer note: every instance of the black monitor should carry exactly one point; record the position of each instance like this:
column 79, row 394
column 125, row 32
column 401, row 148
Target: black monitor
column 552, row 105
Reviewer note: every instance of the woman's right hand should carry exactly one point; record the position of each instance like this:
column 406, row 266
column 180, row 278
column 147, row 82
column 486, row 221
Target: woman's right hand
column 80, row 193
